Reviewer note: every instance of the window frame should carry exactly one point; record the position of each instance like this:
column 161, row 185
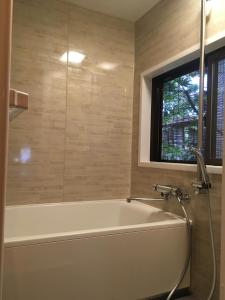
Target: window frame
column 157, row 102
column 212, row 60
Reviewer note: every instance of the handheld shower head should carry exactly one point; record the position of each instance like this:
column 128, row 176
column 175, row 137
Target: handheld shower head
column 203, row 177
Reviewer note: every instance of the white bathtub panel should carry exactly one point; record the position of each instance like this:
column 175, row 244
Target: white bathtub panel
column 126, row 266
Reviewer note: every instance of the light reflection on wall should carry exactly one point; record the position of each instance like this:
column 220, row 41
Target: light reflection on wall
column 73, row 57
column 217, row 10
column 24, row 156
column 108, row 66
column 209, row 6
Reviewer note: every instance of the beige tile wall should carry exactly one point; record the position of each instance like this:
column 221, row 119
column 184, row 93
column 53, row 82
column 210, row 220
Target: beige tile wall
column 99, row 108
column 74, row 143
column 170, row 27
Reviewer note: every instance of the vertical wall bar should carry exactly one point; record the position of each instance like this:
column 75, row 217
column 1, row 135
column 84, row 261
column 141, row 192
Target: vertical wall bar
column 201, row 81
column 5, row 51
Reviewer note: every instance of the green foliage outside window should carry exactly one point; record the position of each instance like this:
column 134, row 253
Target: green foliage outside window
column 180, row 117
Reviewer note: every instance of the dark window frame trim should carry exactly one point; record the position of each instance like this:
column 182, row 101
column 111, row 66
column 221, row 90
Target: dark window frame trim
column 156, row 108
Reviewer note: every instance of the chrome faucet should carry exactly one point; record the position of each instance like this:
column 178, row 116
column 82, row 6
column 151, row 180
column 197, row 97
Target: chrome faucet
column 202, row 182
column 165, row 191
column 168, row 190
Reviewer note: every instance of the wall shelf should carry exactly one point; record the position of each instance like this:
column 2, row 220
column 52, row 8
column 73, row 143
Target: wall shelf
column 18, row 103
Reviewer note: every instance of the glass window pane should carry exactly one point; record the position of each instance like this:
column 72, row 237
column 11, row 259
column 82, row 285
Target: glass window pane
column 220, row 108
column 180, row 116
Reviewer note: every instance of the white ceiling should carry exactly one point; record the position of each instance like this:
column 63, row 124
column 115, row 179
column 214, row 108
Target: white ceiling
column 130, row 10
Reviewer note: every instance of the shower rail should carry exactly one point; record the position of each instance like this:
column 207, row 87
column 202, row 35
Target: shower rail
column 202, row 176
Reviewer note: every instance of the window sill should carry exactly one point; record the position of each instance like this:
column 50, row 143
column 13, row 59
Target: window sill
column 179, row 167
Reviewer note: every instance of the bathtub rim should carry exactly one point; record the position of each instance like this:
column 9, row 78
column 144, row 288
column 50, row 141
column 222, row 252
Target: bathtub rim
column 176, row 222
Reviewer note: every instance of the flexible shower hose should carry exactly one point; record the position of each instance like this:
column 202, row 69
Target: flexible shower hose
column 213, row 248
column 188, row 256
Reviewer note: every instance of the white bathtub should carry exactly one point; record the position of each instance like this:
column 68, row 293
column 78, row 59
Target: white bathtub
column 92, row 250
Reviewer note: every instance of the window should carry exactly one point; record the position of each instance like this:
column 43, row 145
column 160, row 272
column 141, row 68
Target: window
column 174, row 117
